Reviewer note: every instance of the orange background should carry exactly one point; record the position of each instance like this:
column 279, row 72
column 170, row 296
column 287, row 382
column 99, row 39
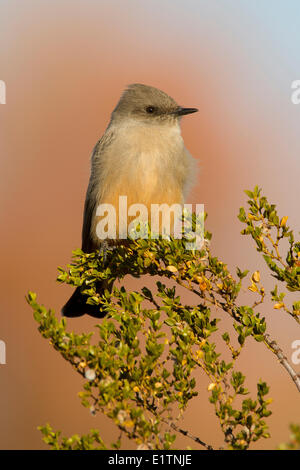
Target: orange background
column 65, row 64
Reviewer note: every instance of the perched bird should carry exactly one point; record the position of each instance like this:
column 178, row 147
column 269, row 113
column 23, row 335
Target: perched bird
column 142, row 156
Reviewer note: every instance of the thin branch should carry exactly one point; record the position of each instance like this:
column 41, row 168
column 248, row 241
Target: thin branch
column 278, row 256
column 187, row 434
column 271, row 344
column 282, row 359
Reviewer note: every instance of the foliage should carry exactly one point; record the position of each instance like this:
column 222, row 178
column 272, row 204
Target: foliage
column 268, row 231
column 141, row 368
column 90, row 441
column 294, row 443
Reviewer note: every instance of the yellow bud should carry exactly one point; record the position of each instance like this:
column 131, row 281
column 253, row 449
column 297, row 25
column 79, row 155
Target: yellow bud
column 253, row 287
column 128, row 424
column 203, row 285
column 199, row 354
column 253, row 217
column 136, row 389
column 283, row 221
column 172, row 269
column 158, row 385
column 279, row 305
column 211, row 387
column 256, row 276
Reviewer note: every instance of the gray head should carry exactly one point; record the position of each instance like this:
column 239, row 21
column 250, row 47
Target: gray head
column 148, row 104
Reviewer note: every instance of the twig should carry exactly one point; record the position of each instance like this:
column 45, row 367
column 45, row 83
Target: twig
column 272, row 345
column 191, row 436
column 188, row 434
column 275, row 246
column 282, row 359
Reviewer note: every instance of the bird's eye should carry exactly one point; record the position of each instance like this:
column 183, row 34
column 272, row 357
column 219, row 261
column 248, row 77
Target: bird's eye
column 150, row 109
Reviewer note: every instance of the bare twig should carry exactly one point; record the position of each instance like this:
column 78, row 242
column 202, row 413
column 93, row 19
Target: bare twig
column 188, row 434
column 270, row 343
column 282, row 359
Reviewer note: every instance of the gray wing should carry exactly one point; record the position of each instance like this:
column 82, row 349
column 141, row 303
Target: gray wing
column 88, row 214
column 90, row 204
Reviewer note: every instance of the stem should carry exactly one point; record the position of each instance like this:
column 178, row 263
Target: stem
column 270, row 343
column 275, row 246
column 282, row 359
column 188, row 434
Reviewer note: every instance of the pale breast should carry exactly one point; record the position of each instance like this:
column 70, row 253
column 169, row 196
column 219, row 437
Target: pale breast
column 147, row 164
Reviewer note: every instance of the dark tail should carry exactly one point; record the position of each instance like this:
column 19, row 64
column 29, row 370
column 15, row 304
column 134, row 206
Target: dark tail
column 77, row 306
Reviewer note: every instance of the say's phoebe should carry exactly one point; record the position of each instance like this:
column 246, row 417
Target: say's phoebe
column 142, row 156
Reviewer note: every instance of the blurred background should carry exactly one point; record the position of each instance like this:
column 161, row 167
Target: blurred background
column 65, row 64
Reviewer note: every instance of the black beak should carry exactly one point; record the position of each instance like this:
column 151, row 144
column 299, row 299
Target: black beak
column 182, row 111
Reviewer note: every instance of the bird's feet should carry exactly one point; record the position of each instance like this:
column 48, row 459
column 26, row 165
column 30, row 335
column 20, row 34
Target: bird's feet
column 104, row 250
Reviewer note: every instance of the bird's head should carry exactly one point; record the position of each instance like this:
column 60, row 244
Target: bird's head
column 149, row 105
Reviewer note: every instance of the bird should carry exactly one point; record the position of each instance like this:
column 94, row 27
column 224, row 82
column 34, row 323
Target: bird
column 142, row 156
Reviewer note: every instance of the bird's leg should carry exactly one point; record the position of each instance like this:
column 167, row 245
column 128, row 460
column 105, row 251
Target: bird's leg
column 103, row 250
